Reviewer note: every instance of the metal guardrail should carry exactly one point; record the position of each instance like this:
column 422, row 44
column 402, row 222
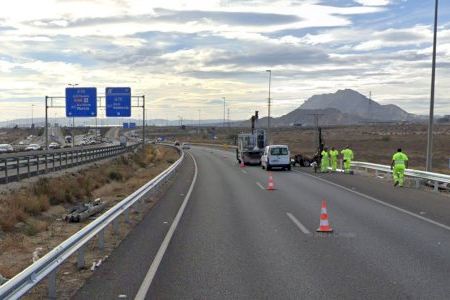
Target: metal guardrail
column 48, row 265
column 419, row 176
column 33, row 164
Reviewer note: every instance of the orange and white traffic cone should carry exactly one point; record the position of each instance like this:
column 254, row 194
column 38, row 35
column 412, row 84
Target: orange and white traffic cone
column 242, row 165
column 324, row 225
column 271, row 184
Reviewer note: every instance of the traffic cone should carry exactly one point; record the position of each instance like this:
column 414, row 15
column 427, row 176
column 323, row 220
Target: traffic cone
column 271, row 184
column 324, row 225
column 242, row 165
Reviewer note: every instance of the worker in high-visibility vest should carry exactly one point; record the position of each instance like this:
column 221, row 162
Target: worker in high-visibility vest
column 325, row 162
column 347, row 155
column 398, row 166
column 334, row 158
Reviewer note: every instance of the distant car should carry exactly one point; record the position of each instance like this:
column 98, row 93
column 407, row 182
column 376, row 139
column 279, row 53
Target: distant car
column 276, row 156
column 54, row 145
column 185, row 146
column 177, row 143
column 33, row 147
column 6, row 148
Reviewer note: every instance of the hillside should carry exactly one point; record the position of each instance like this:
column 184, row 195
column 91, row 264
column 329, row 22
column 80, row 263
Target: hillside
column 353, row 103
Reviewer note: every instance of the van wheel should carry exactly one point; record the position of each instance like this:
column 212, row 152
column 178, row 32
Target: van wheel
column 289, row 168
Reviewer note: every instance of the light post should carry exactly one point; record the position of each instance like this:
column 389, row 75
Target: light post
column 429, row 165
column 32, row 118
column 224, row 105
column 72, row 85
column 198, row 122
column 268, row 106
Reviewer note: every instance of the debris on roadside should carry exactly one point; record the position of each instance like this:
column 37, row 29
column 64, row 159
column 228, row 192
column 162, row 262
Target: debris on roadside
column 83, row 211
column 36, row 254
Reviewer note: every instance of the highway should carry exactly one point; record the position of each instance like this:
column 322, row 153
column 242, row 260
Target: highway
column 236, row 240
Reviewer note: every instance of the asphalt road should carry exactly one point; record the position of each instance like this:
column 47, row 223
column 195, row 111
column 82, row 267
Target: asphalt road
column 237, row 240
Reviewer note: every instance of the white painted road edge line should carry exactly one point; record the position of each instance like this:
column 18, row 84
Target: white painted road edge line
column 260, row 186
column 141, row 294
column 379, row 202
column 298, row 224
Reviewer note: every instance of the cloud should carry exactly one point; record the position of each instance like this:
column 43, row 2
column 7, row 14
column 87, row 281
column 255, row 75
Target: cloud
column 373, row 2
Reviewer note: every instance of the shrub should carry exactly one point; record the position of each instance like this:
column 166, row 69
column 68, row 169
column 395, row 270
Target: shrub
column 115, row 175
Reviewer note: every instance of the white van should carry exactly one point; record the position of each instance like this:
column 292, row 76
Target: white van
column 276, row 156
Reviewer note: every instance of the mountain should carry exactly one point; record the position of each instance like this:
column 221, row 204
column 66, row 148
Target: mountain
column 355, row 104
column 306, row 117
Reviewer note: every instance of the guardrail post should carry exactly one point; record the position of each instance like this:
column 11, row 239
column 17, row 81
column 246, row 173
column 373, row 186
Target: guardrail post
column 127, row 216
column 28, row 166
column 417, row 183
column 436, row 186
column 37, row 161
column 115, row 225
column 101, row 239
column 80, row 257
column 376, row 173
column 60, row 160
column 52, row 284
column 46, row 163
column 18, row 168
column 53, row 159
column 341, row 164
column 6, row 170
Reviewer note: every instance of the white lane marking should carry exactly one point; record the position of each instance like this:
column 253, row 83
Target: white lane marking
column 243, row 171
column 380, row 202
column 298, row 224
column 260, row 186
column 162, row 249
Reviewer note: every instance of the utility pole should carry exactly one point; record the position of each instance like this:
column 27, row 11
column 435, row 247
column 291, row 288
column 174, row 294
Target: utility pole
column 316, row 122
column 429, row 162
column 228, row 118
column 268, row 106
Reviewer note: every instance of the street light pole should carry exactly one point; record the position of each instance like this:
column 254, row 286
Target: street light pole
column 429, row 161
column 198, row 122
column 223, row 125
column 268, row 106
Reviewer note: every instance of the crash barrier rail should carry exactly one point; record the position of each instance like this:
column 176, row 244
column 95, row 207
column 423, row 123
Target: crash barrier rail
column 215, row 145
column 47, row 266
column 28, row 165
column 419, row 176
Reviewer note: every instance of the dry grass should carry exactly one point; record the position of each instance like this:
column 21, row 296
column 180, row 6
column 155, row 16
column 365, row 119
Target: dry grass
column 76, row 187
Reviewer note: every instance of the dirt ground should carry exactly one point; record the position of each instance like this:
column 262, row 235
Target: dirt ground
column 374, row 143
column 14, row 135
column 18, row 247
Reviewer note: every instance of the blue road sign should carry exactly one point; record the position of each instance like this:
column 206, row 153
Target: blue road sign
column 118, row 102
column 132, row 125
column 126, row 126
column 81, row 102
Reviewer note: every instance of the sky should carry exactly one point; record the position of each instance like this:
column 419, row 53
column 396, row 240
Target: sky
column 186, row 56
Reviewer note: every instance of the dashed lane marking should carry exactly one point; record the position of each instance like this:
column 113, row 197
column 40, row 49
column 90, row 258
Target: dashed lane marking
column 298, row 224
column 260, row 186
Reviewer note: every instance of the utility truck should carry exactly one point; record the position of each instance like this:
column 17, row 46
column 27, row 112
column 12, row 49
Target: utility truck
column 250, row 146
